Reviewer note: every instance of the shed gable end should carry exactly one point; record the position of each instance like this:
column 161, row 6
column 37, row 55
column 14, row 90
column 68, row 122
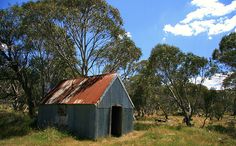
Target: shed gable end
column 115, row 94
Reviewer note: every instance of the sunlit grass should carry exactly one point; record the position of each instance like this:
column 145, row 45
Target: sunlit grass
column 16, row 130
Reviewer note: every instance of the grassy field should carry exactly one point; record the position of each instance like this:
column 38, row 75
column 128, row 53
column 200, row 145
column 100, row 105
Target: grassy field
column 15, row 130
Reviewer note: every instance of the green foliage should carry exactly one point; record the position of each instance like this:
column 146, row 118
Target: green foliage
column 13, row 124
column 226, row 54
column 29, row 59
column 120, row 55
column 216, row 103
column 143, row 88
column 208, row 101
column 91, row 25
column 176, row 70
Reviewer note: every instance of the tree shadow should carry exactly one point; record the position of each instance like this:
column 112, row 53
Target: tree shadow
column 140, row 126
column 229, row 129
column 13, row 124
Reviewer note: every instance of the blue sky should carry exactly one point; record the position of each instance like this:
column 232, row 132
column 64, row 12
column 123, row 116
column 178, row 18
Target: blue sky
column 194, row 26
column 145, row 20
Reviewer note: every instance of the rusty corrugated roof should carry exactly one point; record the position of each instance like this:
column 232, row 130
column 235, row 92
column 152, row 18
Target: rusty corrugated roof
column 80, row 90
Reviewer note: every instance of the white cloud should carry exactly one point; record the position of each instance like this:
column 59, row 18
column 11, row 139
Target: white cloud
column 178, row 29
column 211, row 16
column 214, row 82
column 209, row 8
column 225, row 26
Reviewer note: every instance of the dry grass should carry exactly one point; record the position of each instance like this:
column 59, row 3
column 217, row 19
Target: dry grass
column 147, row 132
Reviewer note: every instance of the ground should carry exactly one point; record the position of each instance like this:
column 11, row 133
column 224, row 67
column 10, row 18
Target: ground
column 15, row 130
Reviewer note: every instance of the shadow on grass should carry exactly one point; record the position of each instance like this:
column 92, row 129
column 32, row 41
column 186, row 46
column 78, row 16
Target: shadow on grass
column 177, row 127
column 13, row 124
column 139, row 126
column 229, row 129
column 144, row 126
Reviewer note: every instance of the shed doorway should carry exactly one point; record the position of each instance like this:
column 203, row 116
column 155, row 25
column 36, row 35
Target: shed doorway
column 116, row 121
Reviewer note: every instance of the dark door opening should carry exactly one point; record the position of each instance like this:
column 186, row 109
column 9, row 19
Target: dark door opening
column 116, row 121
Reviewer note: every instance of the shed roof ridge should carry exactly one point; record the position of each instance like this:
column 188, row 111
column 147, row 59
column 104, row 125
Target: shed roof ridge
column 98, row 75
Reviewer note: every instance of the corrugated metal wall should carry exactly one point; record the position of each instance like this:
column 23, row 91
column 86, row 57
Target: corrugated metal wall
column 127, row 120
column 46, row 115
column 103, row 121
column 80, row 118
column 115, row 95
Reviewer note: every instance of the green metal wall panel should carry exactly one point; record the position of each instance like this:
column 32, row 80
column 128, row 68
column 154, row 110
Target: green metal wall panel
column 80, row 118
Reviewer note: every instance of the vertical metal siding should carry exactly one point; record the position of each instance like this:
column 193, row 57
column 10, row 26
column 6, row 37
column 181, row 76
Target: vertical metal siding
column 127, row 120
column 84, row 121
column 81, row 118
column 103, row 115
column 47, row 115
column 115, row 95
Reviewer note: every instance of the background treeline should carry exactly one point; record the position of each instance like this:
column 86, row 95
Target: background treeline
column 170, row 82
column 46, row 41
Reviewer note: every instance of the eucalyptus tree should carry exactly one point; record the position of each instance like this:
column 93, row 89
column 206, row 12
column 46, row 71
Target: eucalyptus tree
column 207, row 104
column 15, row 52
column 121, row 55
column 142, row 91
column 91, row 25
column 27, row 55
column 147, row 93
column 94, row 29
column 177, row 71
column 46, row 39
column 226, row 54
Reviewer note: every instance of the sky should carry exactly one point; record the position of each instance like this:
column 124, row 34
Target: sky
column 195, row 26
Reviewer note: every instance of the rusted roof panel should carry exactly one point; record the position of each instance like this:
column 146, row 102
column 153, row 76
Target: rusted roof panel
column 80, row 91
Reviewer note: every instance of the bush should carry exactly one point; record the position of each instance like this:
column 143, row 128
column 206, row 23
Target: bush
column 13, row 124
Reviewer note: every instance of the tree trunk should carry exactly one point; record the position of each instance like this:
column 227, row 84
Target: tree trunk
column 30, row 102
column 165, row 113
column 234, row 107
column 28, row 93
column 187, row 120
column 166, row 117
column 204, row 122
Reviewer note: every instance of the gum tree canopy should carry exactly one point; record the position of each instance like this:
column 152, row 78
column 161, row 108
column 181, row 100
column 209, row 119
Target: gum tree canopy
column 226, row 54
column 95, row 28
column 176, row 70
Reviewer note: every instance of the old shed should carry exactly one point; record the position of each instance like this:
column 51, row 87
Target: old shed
column 90, row 107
